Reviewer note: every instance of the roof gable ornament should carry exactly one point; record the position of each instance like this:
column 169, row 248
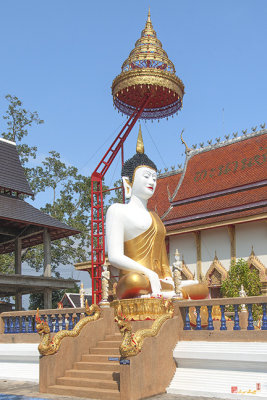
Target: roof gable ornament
column 187, row 149
column 255, row 263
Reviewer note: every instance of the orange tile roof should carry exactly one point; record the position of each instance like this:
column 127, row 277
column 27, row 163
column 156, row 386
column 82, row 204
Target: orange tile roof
column 221, row 183
column 233, row 202
column 225, row 167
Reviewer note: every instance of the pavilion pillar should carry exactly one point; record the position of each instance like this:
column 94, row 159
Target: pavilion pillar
column 18, row 296
column 232, row 237
column 199, row 259
column 47, row 268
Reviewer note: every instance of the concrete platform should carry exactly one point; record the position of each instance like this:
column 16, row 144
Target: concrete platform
column 31, row 390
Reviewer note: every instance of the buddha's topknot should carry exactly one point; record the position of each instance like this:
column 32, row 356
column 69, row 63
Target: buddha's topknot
column 136, row 161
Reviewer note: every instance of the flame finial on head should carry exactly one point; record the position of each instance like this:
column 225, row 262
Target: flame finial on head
column 140, row 144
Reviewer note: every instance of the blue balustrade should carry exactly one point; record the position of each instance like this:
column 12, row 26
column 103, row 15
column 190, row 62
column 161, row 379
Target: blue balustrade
column 63, row 322
column 210, row 321
column 30, row 329
column 198, row 327
column 70, row 322
column 264, row 318
column 23, row 324
column 50, row 323
column 78, row 315
column 6, row 330
column 34, row 325
column 250, row 318
column 17, row 325
column 236, row 319
column 187, row 326
column 11, row 325
column 223, row 320
column 56, row 323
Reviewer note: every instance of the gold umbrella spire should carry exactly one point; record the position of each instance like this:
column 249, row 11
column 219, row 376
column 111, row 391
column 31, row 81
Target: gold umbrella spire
column 148, row 52
column 148, row 70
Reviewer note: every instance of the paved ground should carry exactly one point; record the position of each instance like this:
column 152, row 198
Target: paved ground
column 31, row 390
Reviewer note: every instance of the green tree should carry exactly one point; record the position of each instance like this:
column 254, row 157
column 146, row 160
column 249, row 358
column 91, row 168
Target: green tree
column 117, row 194
column 18, row 121
column 241, row 274
column 68, row 202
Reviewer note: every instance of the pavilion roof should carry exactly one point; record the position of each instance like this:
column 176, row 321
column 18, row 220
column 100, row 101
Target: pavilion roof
column 220, row 183
column 18, row 218
column 12, row 175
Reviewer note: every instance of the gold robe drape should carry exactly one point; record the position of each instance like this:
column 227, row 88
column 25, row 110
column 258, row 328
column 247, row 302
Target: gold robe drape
column 149, row 249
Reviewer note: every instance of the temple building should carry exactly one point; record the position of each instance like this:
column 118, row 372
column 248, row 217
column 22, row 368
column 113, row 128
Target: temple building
column 215, row 209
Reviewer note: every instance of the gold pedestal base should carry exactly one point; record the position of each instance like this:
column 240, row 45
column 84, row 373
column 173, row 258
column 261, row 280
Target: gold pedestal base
column 142, row 309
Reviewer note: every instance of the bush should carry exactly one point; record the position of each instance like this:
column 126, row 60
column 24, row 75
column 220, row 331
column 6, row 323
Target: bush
column 241, row 274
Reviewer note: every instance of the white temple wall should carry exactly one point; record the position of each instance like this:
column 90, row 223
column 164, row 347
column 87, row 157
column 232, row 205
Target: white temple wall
column 185, row 243
column 252, row 234
column 216, row 239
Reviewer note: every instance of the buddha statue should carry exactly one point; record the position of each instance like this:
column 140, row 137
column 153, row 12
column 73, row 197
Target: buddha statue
column 136, row 236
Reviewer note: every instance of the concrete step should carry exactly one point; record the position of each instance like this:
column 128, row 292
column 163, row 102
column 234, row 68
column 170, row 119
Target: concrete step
column 98, row 366
column 98, row 357
column 89, row 383
column 218, row 383
column 116, row 337
column 88, row 374
column 105, row 351
column 107, row 344
column 92, row 393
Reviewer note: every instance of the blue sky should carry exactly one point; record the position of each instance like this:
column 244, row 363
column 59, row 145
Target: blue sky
column 60, row 57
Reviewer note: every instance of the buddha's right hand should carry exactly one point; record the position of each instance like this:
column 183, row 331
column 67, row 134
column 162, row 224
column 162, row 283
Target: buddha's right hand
column 154, row 281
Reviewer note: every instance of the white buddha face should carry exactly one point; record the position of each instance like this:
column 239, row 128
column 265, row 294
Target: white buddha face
column 145, row 182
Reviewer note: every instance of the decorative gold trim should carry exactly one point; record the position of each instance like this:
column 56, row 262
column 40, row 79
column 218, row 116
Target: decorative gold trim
column 186, row 271
column 216, row 266
column 50, row 346
column 192, row 229
column 256, row 262
column 132, row 343
column 138, row 309
column 148, row 76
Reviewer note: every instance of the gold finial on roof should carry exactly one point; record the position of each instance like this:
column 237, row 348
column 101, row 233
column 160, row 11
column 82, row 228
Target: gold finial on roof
column 148, row 16
column 140, row 144
column 187, row 149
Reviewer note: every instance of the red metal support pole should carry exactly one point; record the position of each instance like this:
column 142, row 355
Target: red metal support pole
column 97, row 206
column 122, row 162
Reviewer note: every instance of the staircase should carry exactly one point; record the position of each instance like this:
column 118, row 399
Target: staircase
column 225, row 370
column 94, row 376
